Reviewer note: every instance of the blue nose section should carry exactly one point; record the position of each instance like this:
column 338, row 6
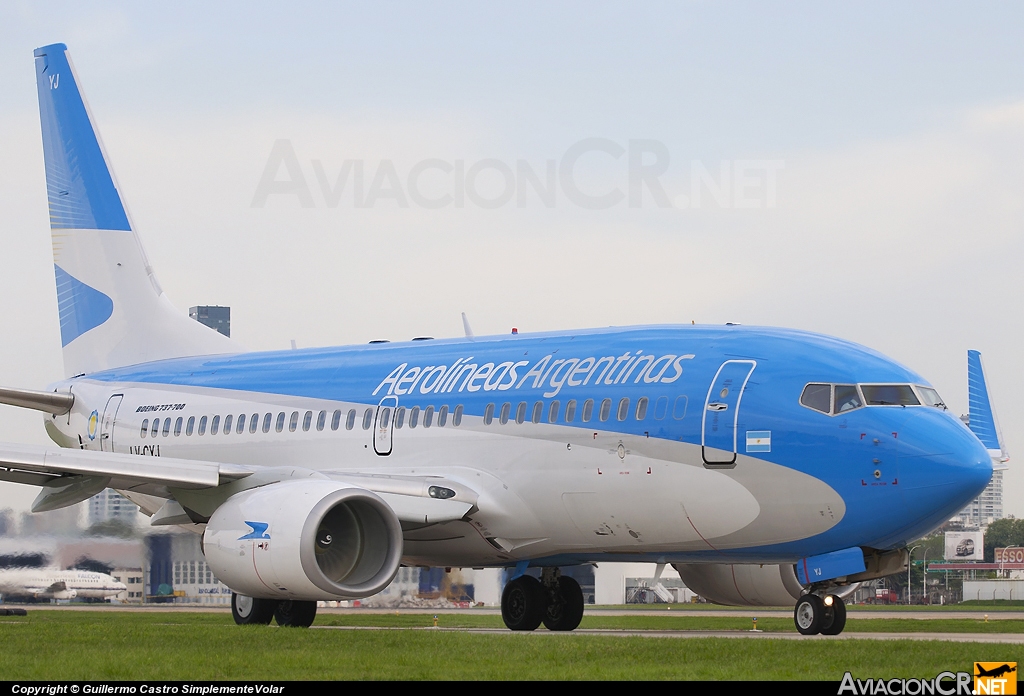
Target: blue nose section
column 943, row 467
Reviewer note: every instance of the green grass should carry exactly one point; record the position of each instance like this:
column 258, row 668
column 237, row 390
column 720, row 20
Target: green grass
column 198, row 646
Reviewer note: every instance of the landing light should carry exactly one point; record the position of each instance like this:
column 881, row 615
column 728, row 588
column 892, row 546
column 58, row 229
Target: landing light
column 829, row 600
column 440, row 492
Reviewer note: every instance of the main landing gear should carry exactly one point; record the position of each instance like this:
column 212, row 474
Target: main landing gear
column 288, row 612
column 555, row 600
column 825, row 615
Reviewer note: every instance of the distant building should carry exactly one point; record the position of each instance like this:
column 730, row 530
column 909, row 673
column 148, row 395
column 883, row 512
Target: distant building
column 133, row 579
column 216, row 317
column 986, row 508
column 108, row 505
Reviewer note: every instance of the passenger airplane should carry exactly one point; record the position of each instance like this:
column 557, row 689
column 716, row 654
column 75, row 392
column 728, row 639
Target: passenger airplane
column 766, row 465
column 53, row 583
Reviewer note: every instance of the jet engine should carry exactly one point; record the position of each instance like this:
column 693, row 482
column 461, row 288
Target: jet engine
column 304, row 540
column 743, row 585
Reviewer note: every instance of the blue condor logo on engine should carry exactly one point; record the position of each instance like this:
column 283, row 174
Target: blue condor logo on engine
column 546, row 373
column 259, row 531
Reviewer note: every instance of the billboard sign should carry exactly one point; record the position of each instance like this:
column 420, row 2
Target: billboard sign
column 1010, row 554
column 965, row 546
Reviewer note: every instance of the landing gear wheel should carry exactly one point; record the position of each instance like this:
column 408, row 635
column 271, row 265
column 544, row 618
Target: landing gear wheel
column 809, row 615
column 523, row 603
column 292, row 612
column 250, row 610
column 835, row 618
column 566, row 611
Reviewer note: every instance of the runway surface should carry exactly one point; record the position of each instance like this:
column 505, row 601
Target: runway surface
column 1016, row 638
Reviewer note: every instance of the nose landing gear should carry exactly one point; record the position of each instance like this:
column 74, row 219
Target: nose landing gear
column 814, row 615
column 555, row 600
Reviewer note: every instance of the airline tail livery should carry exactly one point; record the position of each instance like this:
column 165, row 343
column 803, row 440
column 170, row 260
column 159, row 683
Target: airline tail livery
column 768, row 466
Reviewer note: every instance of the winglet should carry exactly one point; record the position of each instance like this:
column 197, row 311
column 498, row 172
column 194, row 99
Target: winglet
column 983, row 422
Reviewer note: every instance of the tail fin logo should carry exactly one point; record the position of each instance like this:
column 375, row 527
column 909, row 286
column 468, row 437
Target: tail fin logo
column 81, row 307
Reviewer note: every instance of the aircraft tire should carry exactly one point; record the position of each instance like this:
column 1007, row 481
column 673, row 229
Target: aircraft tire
column 566, row 612
column 523, row 603
column 835, row 618
column 295, row 613
column 809, row 615
column 251, row 610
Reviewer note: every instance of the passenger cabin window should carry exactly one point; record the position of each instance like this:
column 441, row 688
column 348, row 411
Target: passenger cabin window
column 254, row 422
column 145, row 428
column 679, row 408
column 817, row 397
column 228, row 420
column 177, row 427
column 606, row 409
column 553, row 412
column 442, row 416
column 280, row 422
column 350, row 420
column 167, row 427
column 488, row 415
column 889, row 395
column 336, row 420
column 428, row 416
column 570, row 410
column 623, row 411
column 307, row 420
column 202, row 426
column 641, row 408
column 399, row 417
column 293, row 422
column 321, row 420
column 521, row 412
column 457, row 416
column 506, row 408
column 661, row 408
column 367, row 418
column 538, row 411
column 588, row 410
column 268, row 420
column 215, row 425
column 156, row 427
column 190, row 425
column 414, row 416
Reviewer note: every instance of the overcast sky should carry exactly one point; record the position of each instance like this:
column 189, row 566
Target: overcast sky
column 855, row 170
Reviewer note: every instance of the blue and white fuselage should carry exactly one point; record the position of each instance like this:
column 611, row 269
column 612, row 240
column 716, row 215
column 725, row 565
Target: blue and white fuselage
column 674, row 443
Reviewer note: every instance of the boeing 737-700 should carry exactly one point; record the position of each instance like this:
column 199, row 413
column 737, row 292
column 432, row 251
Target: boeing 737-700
column 768, row 466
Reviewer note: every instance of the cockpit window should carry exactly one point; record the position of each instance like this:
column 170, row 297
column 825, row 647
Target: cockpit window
column 930, row 397
column 846, row 398
column 889, row 395
column 817, row 396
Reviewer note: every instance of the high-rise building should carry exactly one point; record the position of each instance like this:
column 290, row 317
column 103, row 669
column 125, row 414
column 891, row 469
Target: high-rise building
column 216, row 317
column 987, row 507
column 108, row 504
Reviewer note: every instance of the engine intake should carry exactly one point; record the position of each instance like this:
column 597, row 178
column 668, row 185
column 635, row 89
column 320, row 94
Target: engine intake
column 309, row 540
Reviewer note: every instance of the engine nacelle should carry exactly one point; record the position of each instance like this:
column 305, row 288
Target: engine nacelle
column 308, row 540
column 743, row 585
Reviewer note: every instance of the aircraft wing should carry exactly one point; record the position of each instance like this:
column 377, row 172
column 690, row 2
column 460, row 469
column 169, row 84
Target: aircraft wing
column 69, row 476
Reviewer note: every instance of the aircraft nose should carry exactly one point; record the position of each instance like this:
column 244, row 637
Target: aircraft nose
column 943, row 466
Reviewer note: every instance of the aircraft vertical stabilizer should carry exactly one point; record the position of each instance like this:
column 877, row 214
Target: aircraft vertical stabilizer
column 112, row 309
column 983, row 421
